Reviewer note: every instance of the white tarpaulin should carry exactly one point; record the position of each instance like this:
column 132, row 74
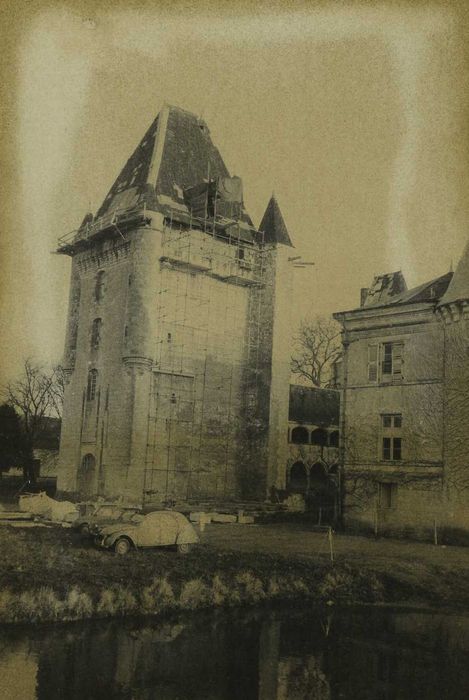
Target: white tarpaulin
column 41, row 504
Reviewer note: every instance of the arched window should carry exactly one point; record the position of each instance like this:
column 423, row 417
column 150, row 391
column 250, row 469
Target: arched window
column 99, row 286
column 92, row 381
column 334, row 438
column 88, row 462
column 319, row 437
column 300, row 435
column 298, row 478
column 86, row 475
column 96, row 333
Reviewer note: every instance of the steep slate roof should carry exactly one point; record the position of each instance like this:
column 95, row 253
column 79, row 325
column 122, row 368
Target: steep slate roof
column 458, row 288
column 384, row 288
column 313, row 405
column 428, row 292
column 175, row 153
column 273, row 224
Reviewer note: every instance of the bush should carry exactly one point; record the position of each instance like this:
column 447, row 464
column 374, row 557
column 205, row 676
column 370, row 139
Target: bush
column 157, row 596
column 78, row 605
column 194, row 594
column 250, row 587
column 116, row 601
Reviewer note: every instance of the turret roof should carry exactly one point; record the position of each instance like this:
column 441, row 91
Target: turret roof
column 273, row 225
column 458, row 288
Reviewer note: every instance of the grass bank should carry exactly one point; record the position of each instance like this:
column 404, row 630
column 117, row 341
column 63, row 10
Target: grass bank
column 54, row 575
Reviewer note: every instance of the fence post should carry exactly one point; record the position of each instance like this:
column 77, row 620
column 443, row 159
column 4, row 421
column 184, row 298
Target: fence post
column 331, row 546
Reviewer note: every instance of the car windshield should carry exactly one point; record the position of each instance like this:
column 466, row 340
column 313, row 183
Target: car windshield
column 129, row 516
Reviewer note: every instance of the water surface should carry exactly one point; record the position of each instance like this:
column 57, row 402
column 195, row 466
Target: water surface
column 263, row 655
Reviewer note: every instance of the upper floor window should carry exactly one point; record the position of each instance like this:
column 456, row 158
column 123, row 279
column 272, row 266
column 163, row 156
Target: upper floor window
column 96, row 333
column 99, row 286
column 385, row 362
column 92, row 382
column 391, row 435
column 300, row 435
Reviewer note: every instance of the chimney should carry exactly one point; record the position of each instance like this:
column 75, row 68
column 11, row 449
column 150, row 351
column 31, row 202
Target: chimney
column 363, row 295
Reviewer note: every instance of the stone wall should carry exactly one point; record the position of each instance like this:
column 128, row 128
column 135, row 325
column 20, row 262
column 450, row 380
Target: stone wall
column 182, row 405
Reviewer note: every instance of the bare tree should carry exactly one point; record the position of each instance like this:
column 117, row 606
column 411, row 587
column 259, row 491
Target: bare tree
column 37, row 395
column 316, row 347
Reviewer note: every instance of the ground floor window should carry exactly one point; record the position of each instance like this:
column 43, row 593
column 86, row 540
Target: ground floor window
column 387, row 495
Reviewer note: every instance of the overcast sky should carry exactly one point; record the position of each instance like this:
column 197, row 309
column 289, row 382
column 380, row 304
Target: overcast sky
column 355, row 116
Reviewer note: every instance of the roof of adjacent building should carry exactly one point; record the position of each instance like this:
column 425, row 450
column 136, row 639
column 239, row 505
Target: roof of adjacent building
column 458, row 288
column 273, row 224
column 430, row 292
column 313, row 405
column 176, row 153
column 384, row 288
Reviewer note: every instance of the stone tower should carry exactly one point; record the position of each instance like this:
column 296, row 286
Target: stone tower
column 176, row 350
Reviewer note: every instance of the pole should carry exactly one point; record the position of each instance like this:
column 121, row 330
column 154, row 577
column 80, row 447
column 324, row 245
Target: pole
column 435, row 532
column 331, row 547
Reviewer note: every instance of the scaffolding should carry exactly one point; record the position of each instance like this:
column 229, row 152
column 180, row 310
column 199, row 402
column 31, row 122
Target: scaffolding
column 212, row 277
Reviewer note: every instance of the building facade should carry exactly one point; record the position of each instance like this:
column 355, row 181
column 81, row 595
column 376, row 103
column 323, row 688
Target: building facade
column 178, row 373
column 313, row 449
column 404, row 420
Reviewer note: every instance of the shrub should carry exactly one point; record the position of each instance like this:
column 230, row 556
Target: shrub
column 220, row 592
column 194, row 594
column 157, row 596
column 6, row 606
column 116, row 601
column 78, row 605
column 250, row 587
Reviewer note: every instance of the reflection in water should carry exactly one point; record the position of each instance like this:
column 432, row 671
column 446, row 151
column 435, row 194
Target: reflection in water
column 277, row 655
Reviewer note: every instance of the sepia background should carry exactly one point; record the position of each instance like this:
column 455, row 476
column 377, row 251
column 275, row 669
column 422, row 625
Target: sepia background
column 354, row 114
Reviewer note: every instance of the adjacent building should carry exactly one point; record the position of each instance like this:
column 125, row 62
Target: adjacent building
column 405, row 405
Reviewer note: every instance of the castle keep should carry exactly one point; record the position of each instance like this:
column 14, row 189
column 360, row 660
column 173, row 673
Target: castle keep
column 178, row 373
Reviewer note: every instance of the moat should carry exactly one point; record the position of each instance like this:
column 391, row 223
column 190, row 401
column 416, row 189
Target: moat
column 359, row 653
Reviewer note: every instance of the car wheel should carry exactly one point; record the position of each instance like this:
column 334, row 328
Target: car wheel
column 184, row 548
column 84, row 529
column 122, row 546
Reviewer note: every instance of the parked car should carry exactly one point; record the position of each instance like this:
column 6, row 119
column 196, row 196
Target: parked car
column 157, row 529
column 103, row 514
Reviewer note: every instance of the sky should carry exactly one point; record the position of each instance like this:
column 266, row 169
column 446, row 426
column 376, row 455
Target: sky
column 354, row 115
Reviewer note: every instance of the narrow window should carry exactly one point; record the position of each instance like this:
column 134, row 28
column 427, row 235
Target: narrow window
column 96, row 333
column 373, row 363
column 387, row 495
column 391, row 437
column 387, row 358
column 99, row 286
column 91, row 387
column 397, row 349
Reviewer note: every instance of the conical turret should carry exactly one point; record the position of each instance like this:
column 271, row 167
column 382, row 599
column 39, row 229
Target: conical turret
column 273, row 225
column 458, row 288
